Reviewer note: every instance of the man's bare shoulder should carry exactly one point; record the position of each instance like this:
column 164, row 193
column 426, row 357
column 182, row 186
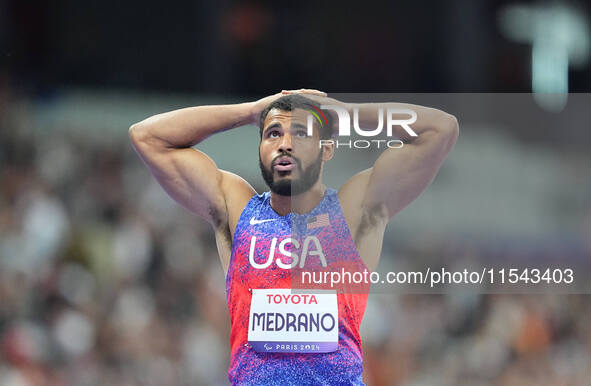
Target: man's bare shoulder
column 366, row 225
column 351, row 196
column 237, row 192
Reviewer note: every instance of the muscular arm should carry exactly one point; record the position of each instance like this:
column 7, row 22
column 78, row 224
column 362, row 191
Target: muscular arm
column 400, row 175
column 164, row 142
column 189, row 176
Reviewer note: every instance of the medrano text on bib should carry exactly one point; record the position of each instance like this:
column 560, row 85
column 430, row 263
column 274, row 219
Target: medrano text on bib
column 282, row 321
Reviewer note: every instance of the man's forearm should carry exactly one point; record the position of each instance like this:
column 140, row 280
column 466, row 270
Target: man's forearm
column 427, row 118
column 189, row 126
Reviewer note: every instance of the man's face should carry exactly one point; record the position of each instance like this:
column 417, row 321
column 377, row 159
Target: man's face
column 289, row 159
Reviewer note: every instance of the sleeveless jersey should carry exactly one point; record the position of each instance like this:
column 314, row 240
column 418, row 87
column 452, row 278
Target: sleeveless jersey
column 259, row 261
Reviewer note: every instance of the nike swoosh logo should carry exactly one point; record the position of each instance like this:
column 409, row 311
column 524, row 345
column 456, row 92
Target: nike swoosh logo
column 255, row 222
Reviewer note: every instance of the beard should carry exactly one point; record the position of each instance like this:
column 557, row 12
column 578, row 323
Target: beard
column 284, row 187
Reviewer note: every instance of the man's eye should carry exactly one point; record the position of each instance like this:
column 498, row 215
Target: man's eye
column 274, row 134
column 302, row 134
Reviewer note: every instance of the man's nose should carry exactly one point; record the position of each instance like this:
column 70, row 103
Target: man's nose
column 285, row 144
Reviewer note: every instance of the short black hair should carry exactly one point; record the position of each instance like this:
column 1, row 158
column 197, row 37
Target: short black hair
column 297, row 101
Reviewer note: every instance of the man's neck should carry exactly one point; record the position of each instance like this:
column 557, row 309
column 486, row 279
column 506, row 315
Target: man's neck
column 301, row 203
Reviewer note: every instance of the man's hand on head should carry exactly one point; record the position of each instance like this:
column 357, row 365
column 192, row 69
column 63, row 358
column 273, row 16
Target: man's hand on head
column 260, row 105
column 323, row 99
column 310, row 91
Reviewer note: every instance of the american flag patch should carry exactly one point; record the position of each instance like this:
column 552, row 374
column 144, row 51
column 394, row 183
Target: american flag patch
column 318, row 221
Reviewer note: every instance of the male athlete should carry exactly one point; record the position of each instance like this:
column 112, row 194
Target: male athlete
column 277, row 336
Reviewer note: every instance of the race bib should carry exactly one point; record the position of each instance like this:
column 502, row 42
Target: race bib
column 282, row 321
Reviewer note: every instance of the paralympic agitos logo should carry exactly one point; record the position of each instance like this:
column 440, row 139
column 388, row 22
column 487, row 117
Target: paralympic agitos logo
column 345, row 126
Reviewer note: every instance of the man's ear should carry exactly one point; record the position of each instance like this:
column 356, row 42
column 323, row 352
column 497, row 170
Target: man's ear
column 327, row 150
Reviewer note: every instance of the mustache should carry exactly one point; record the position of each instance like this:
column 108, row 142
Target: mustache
column 284, row 154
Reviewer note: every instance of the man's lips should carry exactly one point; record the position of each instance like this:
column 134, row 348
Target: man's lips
column 284, row 163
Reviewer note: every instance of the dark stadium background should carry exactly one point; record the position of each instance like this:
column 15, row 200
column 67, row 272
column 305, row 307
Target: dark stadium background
column 252, row 47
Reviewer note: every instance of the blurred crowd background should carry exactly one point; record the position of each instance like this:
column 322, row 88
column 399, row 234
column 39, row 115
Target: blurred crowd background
column 104, row 280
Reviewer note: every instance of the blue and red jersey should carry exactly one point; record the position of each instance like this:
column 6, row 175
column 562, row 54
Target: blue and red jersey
column 268, row 251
